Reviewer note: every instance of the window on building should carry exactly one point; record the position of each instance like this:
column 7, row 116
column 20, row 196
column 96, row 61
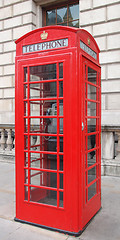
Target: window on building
column 66, row 14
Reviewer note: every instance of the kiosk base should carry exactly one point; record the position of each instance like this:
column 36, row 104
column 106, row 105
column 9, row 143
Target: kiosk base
column 55, row 229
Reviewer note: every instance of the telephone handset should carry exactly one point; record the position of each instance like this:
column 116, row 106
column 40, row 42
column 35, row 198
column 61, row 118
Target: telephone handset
column 48, row 120
column 51, row 123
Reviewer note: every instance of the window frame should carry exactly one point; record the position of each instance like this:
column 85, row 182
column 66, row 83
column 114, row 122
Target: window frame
column 57, row 6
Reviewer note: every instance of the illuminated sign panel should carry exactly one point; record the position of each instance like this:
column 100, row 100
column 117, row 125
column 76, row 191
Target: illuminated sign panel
column 88, row 50
column 46, row 45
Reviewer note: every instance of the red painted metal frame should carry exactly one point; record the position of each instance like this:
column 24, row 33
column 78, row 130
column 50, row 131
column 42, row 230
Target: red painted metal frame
column 77, row 210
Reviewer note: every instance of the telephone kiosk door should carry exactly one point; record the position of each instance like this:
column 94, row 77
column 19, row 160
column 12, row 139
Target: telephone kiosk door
column 42, row 144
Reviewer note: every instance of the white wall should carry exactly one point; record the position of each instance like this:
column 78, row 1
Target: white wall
column 16, row 18
column 102, row 20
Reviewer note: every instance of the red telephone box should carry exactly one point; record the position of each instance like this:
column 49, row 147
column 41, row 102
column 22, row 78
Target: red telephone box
column 58, row 128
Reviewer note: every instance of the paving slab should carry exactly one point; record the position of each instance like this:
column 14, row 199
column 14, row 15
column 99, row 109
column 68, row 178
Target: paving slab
column 7, row 228
column 7, row 190
column 10, row 230
column 104, row 226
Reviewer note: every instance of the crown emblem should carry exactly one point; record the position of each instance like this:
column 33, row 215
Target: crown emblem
column 44, row 35
column 88, row 41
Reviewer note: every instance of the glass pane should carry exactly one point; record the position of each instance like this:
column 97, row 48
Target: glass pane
column 25, row 74
column 60, row 70
column 43, row 90
column 91, row 174
column 25, row 91
column 43, row 108
column 73, row 12
column 61, row 199
column 92, row 75
column 61, row 89
column 91, row 109
column 35, row 143
column 52, row 144
column 91, row 191
column 91, row 158
column 25, row 142
column 25, row 125
column 39, row 178
column 43, row 196
column 26, row 193
column 26, row 176
column 61, row 126
column 43, row 161
column 91, row 125
column 61, row 108
column 43, row 72
column 62, row 14
column 74, row 24
column 61, row 162
column 36, row 125
column 43, row 143
column 91, row 141
column 51, row 161
column 98, row 94
column 52, row 127
column 61, row 180
column 50, row 199
column 35, row 160
column 51, row 17
column 61, row 144
column 43, row 125
column 26, row 159
column 25, row 108
column 91, row 92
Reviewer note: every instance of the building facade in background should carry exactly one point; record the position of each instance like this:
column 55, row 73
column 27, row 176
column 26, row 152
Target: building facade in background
column 102, row 19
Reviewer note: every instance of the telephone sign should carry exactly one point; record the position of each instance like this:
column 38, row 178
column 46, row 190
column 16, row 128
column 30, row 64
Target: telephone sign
column 58, row 127
column 45, row 45
column 88, row 50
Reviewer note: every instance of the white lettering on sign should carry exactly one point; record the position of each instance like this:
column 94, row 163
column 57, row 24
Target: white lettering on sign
column 45, row 46
column 88, row 50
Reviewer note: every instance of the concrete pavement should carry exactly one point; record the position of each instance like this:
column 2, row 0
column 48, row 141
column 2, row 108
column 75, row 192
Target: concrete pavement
column 105, row 225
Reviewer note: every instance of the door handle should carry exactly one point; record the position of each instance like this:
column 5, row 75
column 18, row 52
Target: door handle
column 82, row 126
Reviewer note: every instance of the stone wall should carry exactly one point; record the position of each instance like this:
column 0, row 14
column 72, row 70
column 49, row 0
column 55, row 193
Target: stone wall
column 16, row 18
column 102, row 20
